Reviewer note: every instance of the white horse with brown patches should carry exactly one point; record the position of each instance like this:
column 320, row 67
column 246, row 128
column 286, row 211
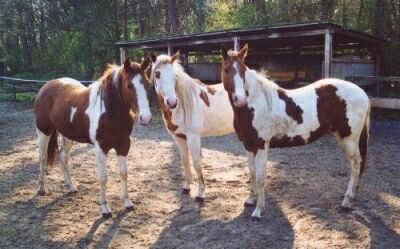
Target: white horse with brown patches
column 268, row 116
column 191, row 110
column 101, row 114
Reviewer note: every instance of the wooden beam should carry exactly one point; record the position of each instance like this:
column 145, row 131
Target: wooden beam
column 327, row 54
column 388, row 103
column 226, row 39
column 122, row 52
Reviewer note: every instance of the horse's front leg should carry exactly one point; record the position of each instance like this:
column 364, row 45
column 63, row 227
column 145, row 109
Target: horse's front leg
column 124, row 177
column 260, row 164
column 250, row 201
column 194, row 144
column 101, row 161
column 184, row 154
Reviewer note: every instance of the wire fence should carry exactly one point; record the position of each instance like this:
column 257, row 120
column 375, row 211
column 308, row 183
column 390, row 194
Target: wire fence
column 13, row 86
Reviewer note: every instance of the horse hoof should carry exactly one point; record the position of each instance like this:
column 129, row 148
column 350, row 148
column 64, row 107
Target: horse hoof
column 246, row 204
column 129, row 209
column 199, row 199
column 255, row 218
column 106, row 215
column 41, row 192
column 345, row 209
column 186, row 191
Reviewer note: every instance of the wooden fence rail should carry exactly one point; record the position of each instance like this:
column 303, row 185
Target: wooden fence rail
column 9, row 85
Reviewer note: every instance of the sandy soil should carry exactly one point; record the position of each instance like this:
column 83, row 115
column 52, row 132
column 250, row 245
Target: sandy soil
column 305, row 186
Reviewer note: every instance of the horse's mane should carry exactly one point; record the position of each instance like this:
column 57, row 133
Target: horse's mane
column 185, row 87
column 109, row 89
column 266, row 85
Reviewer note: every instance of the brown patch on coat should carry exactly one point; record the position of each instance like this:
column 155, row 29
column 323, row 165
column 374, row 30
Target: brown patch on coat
column 167, row 114
column 332, row 111
column 180, row 135
column 243, row 124
column 203, row 95
column 211, row 90
column 292, row 109
column 53, row 112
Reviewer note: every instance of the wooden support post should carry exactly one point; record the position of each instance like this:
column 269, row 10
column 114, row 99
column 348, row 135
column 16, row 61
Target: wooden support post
column 170, row 49
column 185, row 59
column 377, row 69
column 122, row 52
column 328, row 54
column 297, row 55
column 236, row 43
column 15, row 91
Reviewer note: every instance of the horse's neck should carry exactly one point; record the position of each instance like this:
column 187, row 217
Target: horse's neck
column 261, row 87
column 115, row 107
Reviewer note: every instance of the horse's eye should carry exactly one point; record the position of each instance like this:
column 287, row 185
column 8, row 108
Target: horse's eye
column 130, row 86
column 158, row 74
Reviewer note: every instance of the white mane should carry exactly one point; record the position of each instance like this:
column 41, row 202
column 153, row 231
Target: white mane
column 263, row 83
column 185, row 86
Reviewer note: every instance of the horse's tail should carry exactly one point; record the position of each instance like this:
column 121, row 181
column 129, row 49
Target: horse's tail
column 363, row 142
column 52, row 149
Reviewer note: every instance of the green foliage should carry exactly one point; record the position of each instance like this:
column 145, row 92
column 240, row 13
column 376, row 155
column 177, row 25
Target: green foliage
column 226, row 16
column 76, row 38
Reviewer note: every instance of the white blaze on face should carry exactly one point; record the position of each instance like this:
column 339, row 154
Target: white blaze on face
column 73, row 111
column 143, row 102
column 240, row 95
column 167, row 83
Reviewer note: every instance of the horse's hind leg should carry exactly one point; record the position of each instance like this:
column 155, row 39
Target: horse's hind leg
column 43, row 143
column 66, row 146
column 184, row 154
column 350, row 146
column 194, row 144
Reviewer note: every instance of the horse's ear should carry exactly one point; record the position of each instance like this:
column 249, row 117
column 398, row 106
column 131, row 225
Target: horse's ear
column 224, row 52
column 127, row 64
column 243, row 52
column 175, row 56
column 153, row 57
column 145, row 64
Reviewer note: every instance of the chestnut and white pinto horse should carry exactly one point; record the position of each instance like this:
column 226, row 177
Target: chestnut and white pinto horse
column 190, row 110
column 101, row 114
column 268, row 116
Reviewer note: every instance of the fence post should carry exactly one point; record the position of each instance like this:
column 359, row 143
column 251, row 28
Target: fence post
column 15, row 91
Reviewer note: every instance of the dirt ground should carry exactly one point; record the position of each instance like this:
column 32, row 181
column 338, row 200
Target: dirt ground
column 305, row 186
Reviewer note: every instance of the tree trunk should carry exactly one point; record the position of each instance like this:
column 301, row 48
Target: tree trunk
column 327, row 9
column 173, row 17
column 379, row 14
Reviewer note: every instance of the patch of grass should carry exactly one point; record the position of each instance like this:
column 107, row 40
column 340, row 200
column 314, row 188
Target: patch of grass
column 21, row 97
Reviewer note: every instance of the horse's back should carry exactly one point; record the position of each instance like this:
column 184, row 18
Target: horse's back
column 218, row 116
column 58, row 102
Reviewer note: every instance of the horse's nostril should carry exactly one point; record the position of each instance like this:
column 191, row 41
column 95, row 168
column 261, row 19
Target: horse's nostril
column 236, row 98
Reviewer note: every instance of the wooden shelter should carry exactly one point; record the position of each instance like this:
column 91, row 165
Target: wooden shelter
column 300, row 52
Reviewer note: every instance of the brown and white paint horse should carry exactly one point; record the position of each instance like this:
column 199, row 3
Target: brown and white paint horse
column 191, row 110
column 268, row 116
column 101, row 114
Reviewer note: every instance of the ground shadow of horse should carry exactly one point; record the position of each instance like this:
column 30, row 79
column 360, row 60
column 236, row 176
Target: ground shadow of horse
column 188, row 229
column 28, row 224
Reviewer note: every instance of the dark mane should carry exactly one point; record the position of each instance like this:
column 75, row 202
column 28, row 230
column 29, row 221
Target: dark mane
column 110, row 91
